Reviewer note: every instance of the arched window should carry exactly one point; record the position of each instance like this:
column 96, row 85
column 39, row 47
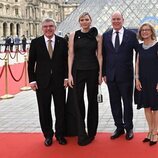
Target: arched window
column 5, row 29
column 17, row 29
column 11, row 29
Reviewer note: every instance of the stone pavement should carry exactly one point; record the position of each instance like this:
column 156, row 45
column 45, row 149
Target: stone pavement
column 20, row 114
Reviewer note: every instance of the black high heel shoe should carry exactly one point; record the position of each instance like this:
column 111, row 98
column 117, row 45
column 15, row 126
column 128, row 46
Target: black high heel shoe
column 147, row 139
column 152, row 140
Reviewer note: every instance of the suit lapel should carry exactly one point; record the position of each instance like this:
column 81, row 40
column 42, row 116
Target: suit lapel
column 57, row 42
column 110, row 38
column 43, row 46
column 125, row 37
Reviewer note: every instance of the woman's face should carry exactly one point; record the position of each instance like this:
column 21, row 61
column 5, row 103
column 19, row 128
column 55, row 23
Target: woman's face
column 146, row 32
column 85, row 22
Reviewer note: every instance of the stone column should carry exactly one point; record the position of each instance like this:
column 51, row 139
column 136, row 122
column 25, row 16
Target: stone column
column 15, row 31
column 31, row 29
column 37, row 29
column 31, row 16
column 37, row 32
column 37, row 13
column 1, row 29
column 21, row 28
column 28, row 13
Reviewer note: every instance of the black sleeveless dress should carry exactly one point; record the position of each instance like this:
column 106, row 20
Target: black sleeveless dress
column 85, row 45
column 148, row 75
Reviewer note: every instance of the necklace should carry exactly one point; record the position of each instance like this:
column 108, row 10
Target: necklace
column 147, row 46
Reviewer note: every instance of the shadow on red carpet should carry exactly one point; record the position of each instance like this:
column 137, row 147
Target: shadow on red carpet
column 27, row 145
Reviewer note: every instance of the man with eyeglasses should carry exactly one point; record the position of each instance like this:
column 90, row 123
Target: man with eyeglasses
column 47, row 70
column 118, row 46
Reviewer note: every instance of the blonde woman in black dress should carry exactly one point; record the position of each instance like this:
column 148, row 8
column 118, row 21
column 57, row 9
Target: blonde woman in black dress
column 85, row 68
column 147, row 80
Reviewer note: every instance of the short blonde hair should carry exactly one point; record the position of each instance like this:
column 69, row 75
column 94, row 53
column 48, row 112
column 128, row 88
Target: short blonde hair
column 83, row 15
column 153, row 36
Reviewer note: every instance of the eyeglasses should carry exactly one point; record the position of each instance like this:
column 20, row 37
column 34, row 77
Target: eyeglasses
column 145, row 30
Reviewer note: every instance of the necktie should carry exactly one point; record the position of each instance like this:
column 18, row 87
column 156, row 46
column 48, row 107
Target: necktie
column 50, row 49
column 117, row 41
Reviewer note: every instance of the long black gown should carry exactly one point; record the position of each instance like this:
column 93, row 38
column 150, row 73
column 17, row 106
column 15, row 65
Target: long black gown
column 148, row 75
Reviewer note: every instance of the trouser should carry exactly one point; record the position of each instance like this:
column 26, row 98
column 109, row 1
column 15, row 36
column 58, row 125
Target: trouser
column 123, row 118
column 44, row 97
column 90, row 79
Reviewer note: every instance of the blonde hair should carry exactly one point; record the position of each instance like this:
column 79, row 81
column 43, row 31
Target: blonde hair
column 83, row 15
column 153, row 35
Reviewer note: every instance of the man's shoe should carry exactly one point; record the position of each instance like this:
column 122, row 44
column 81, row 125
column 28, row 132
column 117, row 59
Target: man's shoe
column 117, row 133
column 48, row 142
column 129, row 134
column 61, row 140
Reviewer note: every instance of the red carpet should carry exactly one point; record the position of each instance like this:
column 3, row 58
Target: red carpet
column 13, row 86
column 31, row 146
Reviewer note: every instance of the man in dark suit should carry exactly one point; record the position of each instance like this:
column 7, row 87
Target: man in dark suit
column 118, row 46
column 47, row 70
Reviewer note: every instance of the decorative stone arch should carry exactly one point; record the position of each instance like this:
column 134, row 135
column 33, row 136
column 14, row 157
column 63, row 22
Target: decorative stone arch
column 7, row 6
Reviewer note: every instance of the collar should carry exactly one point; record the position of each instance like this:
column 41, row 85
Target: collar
column 46, row 38
column 121, row 31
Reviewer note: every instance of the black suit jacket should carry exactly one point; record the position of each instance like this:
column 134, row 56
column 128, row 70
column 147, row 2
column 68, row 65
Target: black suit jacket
column 41, row 67
column 119, row 64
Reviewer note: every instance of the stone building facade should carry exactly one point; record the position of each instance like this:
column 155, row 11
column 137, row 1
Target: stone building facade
column 23, row 17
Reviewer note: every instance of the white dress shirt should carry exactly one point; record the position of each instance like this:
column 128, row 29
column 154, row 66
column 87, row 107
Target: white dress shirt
column 47, row 39
column 121, row 32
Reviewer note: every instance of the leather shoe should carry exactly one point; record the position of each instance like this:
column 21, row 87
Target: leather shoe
column 61, row 140
column 48, row 142
column 85, row 141
column 129, row 134
column 117, row 133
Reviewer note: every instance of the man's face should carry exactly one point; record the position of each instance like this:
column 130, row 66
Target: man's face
column 48, row 29
column 117, row 21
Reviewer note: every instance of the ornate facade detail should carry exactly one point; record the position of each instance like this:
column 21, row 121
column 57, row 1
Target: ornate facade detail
column 23, row 17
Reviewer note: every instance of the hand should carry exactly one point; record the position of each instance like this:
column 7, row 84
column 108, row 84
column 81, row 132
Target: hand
column 33, row 86
column 138, row 85
column 70, row 81
column 66, row 83
column 100, row 80
column 105, row 80
column 157, row 87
